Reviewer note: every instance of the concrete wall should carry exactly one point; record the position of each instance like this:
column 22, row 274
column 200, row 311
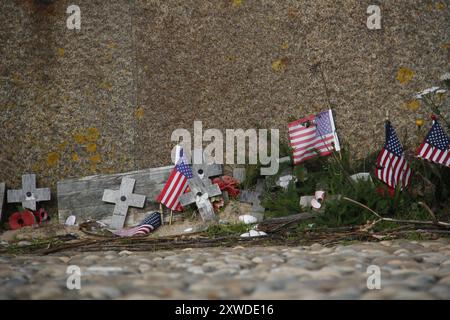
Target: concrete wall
column 107, row 98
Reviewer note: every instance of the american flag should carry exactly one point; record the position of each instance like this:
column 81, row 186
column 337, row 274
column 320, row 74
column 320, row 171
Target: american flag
column 150, row 223
column 176, row 185
column 312, row 136
column 392, row 167
column 436, row 146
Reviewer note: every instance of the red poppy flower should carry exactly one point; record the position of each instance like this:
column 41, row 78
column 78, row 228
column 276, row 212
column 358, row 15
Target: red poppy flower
column 21, row 219
column 41, row 216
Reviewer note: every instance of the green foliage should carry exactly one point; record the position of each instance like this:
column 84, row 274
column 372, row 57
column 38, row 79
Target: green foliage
column 220, row 230
column 332, row 174
column 252, row 173
column 282, row 203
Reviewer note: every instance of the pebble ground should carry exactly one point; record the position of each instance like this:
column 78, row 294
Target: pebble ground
column 409, row 270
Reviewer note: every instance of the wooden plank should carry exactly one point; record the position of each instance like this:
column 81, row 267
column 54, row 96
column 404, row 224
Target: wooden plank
column 83, row 197
column 2, row 198
column 253, row 197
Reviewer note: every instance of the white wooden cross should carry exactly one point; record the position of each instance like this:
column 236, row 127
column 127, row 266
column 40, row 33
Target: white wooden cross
column 123, row 198
column 2, row 198
column 199, row 188
column 29, row 195
column 204, row 170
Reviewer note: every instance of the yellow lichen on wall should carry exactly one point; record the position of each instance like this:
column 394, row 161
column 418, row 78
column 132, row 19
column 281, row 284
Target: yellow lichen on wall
column 106, row 85
column 92, row 134
column 412, row 105
column 95, row 159
column 91, row 147
column 405, row 75
column 79, row 138
column 75, row 157
column 236, row 3
column 279, row 65
column 61, row 52
column 139, row 113
column 52, row 159
column 440, row 5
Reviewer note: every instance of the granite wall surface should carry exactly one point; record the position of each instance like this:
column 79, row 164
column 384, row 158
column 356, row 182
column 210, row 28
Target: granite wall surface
column 107, row 98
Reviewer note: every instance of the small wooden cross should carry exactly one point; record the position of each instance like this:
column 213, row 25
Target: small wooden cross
column 204, row 170
column 123, row 198
column 253, row 197
column 29, row 195
column 199, row 187
column 2, row 198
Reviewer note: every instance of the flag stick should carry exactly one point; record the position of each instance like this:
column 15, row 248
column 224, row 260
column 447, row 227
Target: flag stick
column 161, row 213
column 171, row 217
column 330, row 106
column 318, row 67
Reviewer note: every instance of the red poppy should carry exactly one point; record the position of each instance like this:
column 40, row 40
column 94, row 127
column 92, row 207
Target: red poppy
column 41, row 216
column 227, row 183
column 21, row 219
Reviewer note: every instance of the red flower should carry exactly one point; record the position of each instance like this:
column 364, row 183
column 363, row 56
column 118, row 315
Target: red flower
column 21, row 219
column 227, row 183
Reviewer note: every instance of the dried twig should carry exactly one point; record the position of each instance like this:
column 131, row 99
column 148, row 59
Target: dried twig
column 363, row 205
column 427, row 208
column 438, row 223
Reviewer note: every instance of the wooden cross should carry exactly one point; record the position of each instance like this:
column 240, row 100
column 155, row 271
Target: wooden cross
column 253, row 197
column 199, row 187
column 2, row 198
column 203, row 170
column 123, row 198
column 29, row 195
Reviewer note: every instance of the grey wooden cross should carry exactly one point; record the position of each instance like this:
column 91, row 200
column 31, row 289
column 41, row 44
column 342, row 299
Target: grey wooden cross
column 2, row 198
column 199, row 187
column 123, row 198
column 29, row 195
column 253, row 197
column 204, row 170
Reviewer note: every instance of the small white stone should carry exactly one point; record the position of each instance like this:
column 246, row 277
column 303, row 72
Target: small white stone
column 70, row 221
column 196, row 270
column 253, row 233
column 362, row 176
column 125, row 253
column 64, row 259
column 257, row 260
column 247, row 219
column 24, row 243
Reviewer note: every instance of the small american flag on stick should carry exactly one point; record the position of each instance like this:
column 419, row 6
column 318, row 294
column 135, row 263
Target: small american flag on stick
column 436, row 147
column 176, row 184
column 392, row 167
column 150, row 223
column 313, row 135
